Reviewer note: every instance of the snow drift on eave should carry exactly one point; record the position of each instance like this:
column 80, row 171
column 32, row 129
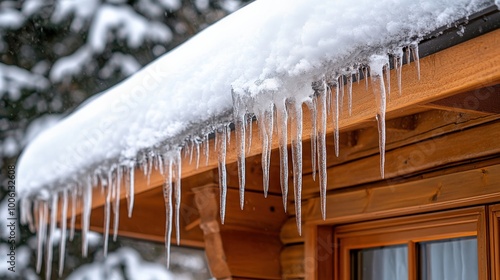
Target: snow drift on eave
column 266, row 48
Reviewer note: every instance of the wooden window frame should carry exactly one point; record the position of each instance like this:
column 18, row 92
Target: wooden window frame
column 494, row 225
column 410, row 230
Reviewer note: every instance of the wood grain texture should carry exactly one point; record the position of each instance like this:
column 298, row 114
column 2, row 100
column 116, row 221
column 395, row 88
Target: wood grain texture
column 471, row 187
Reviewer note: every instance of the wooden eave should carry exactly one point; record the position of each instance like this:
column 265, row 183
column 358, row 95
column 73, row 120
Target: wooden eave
column 456, row 72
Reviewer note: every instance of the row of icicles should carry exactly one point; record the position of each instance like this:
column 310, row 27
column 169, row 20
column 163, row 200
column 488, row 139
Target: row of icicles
column 327, row 101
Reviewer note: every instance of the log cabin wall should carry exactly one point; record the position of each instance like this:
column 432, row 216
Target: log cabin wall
column 435, row 160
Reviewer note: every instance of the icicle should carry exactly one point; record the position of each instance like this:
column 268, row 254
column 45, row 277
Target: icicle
column 365, row 76
column 336, row 134
column 349, row 93
column 322, row 149
column 358, row 70
column 282, row 121
column 150, row 169
column 167, row 195
column 87, row 208
column 118, row 186
column 295, row 110
column 313, row 109
column 249, row 134
column 408, row 55
column 177, row 194
column 107, row 214
column 62, row 242
column 41, row 232
column 50, row 239
column 266, row 130
column 160, row 162
column 28, row 214
column 197, row 154
column 239, row 128
column 207, row 149
column 327, row 89
column 340, row 84
column 191, row 151
column 221, row 136
column 398, row 65
column 416, row 57
column 74, row 192
column 387, row 70
column 143, row 164
column 376, row 66
column 131, row 190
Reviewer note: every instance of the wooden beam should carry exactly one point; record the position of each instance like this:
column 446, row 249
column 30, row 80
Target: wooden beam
column 485, row 100
column 479, row 61
column 214, row 250
column 466, row 188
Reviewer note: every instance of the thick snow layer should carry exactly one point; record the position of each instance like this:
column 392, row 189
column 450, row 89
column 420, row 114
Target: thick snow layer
column 268, row 50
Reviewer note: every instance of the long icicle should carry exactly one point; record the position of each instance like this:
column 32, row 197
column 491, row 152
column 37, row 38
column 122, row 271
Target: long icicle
column 336, row 135
column 266, row 130
column 62, row 242
column 41, row 232
column 239, row 128
column 249, row 134
column 387, row 70
column 118, row 187
column 74, row 193
column 50, row 239
column 376, row 66
column 177, row 195
column 197, row 155
column 313, row 108
column 221, row 148
column 349, row 93
column 322, row 148
column 87, row 208
column 167, row 196
column 282, row 120
column 206, row 149
column 295, row 110
column 340, row 84
column 107, row 213
column 131, row 191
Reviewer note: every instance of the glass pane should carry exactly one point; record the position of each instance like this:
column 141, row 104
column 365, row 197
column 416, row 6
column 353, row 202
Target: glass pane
column 449, row 259
column 388, row 263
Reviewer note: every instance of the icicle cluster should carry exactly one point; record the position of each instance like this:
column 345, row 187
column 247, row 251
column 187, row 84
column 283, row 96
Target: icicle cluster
column 281, row 118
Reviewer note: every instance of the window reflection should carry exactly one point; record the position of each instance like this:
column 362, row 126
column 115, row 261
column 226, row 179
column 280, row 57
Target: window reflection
column 449, row 259
column 388, row 263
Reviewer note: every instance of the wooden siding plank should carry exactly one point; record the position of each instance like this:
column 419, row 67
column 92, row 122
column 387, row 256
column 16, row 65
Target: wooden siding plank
column 477, row 186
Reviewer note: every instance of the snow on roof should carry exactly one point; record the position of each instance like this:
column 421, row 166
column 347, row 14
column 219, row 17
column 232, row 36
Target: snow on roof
column 261, row 49
column 261, row 60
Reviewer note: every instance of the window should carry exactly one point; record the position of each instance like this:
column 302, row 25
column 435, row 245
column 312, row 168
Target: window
column 444, row 245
